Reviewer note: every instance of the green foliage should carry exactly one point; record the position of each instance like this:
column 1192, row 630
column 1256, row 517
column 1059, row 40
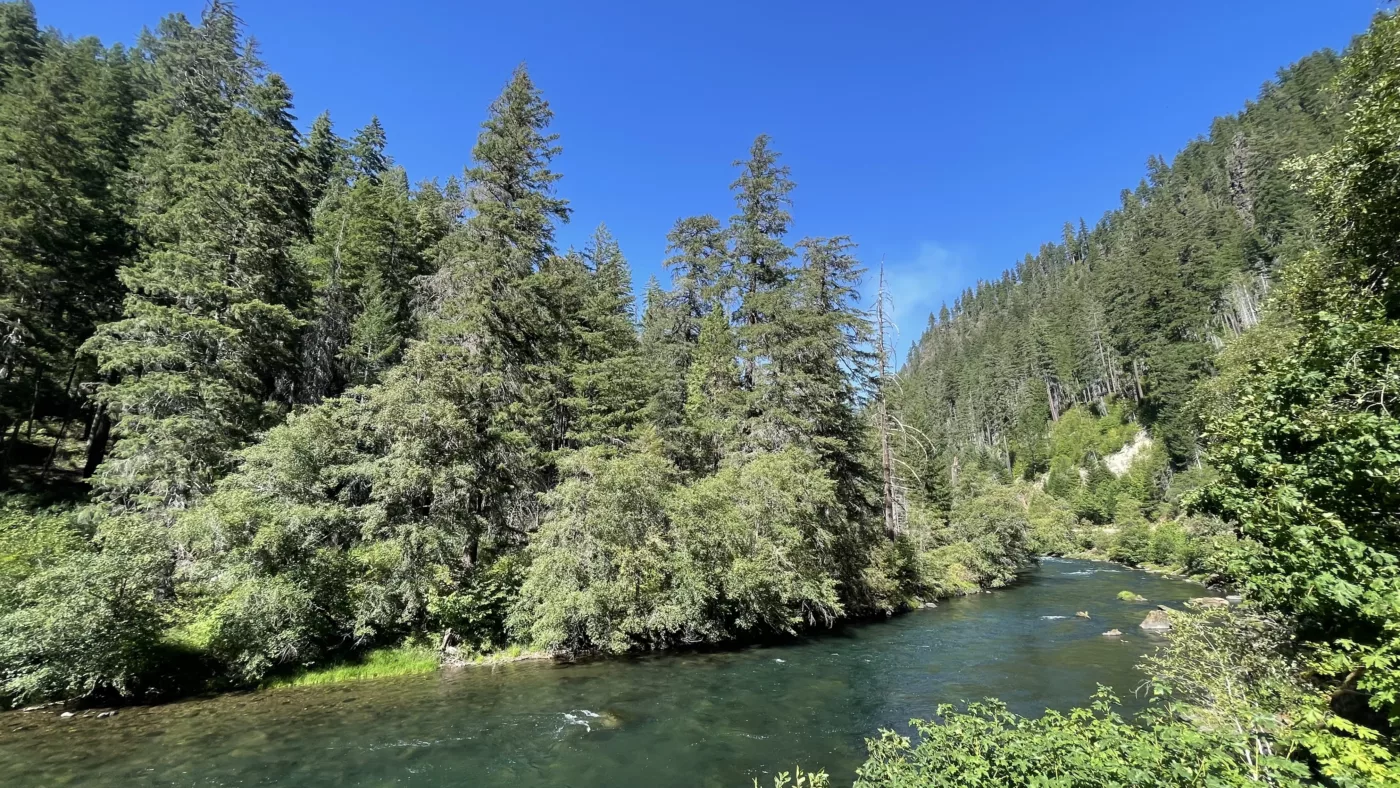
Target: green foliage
column 987, row 745
column 31, row 541
column 1304, row 434
column 207, row 326
column 86, row 621
column 605, row 570
column 1239, row 673
column 67, row 132
column 1231, row 708
column 799, row 780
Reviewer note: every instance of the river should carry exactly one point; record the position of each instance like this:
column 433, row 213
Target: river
column 719, row 718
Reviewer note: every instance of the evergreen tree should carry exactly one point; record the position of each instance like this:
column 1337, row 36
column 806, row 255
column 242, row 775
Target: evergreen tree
column 759, row 272
column 66, row 134
column 364, row 255
column 714, row 400
column 323, row 158
column 208, row 328
column 606, row 400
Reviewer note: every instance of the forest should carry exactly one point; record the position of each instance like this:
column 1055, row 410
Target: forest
column 268, row 407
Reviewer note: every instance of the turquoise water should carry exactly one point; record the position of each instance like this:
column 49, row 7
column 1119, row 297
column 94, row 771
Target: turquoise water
column 710, row 719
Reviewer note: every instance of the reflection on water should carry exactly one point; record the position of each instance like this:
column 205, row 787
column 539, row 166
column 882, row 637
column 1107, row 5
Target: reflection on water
column 711, row 719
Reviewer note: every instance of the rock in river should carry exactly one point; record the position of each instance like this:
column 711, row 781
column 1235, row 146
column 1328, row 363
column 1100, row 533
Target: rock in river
column 1113, row 633
column 1207, row 602
column 1156, row 621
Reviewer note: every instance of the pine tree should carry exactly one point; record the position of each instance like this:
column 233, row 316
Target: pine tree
column 20, row 44
column 759, row 269
column 714, row 399
column 367, row 151
column 365, row 231
column 698, row 265
column 606, row 400
column 208, row 328
column 66, row 134
column 323, row 158
column 468, row 418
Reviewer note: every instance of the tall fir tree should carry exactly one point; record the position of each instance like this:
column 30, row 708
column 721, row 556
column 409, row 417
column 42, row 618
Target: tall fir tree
column 759, row 271
column 67, row 130
column 206, row 340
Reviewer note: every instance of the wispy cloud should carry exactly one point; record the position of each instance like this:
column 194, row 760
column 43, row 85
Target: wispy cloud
column 918, row 284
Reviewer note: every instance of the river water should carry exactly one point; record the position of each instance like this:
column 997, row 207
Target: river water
column 719, row 718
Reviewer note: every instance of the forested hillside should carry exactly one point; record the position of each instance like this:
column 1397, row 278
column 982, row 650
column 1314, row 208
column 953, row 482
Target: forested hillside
column 1134, row 308
column 1201, row 383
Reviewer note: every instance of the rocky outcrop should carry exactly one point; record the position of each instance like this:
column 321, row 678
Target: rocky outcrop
column 1207, row 602
column 1120, row 461
column 1156, row 621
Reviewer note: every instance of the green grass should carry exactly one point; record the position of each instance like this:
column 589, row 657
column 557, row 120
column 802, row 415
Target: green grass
column 507, row 654
column 400, row 661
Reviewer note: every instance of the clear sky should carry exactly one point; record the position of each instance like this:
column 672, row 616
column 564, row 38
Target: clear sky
column 949, row 138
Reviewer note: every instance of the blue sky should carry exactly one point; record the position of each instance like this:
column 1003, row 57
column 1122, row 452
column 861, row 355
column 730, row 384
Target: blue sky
column 949, row 138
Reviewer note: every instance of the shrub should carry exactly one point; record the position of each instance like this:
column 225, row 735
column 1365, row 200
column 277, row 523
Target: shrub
column 88, row 617
column 987, row 746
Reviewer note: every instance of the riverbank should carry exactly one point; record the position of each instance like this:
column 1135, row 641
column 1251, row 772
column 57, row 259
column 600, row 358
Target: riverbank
column 720, row 717
column 406, row 660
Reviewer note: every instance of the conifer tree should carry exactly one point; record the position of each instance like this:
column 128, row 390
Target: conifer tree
column 364, row 255
column 323, row 158
column 468, row 418
column 606, row 400
column 207, row 333
column 66, row 134
column 759, row 269
column 714, row 399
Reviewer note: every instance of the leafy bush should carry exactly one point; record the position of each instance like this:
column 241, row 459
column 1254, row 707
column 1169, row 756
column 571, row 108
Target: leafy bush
column 87, row 617
column 987, row 746
column 262, row 624
column 605, row 570
column 1231, row 708
column 1170, row 545
column 1239, row 672
column 626, row 559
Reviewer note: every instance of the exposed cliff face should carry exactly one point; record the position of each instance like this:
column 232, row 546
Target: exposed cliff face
column 1120, row 461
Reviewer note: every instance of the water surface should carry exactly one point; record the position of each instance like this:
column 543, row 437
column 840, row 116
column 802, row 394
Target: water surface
column 710, row 719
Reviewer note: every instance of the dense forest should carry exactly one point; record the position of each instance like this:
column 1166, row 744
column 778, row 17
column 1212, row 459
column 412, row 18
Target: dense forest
column 267, row 406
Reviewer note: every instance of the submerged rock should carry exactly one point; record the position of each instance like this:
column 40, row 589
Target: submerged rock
column 1156, row 621
column 609, row 720
column 1129, row 596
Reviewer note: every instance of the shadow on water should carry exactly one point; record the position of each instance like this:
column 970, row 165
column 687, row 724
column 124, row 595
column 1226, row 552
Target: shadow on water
column 711, row 717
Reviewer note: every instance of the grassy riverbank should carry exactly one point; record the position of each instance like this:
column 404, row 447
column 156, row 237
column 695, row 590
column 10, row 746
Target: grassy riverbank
column 379, row 663
column 405, row 660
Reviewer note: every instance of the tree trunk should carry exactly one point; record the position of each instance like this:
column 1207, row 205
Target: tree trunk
column 97, row 441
